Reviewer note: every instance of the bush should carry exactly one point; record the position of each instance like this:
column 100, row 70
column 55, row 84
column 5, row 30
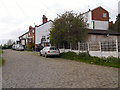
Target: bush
column 7, row 47
column 30, row 47
column 69, row 55
column 85, row 57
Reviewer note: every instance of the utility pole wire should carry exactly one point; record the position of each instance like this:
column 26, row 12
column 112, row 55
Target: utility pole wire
column 18, row 5
column 48, row 9
column 3, row 4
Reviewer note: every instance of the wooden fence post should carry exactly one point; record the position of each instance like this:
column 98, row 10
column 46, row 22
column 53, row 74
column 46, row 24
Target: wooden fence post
column 78, row 47
column 88, row 47
column 63, row 47
column 100, row 48
column 70, row 47
column 117, row 48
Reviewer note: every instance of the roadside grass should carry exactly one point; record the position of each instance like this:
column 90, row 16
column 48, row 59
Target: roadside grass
column 2, row 61
column 35, row 54
column 85, row 57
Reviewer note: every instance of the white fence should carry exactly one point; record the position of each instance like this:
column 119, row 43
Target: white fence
column 101, row 49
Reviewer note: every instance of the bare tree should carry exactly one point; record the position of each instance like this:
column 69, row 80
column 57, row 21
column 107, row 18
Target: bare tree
column 9, row 42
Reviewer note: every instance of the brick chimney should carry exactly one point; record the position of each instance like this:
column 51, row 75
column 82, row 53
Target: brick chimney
column 44, row 19
column 36, row 25
column 30, row 28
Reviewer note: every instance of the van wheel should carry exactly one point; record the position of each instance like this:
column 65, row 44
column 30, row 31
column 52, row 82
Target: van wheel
column 45, row 55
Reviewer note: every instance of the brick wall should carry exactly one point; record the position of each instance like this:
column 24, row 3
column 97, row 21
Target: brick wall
column 97, row 14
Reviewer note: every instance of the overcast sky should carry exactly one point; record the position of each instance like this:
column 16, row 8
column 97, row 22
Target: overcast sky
column 17, row 15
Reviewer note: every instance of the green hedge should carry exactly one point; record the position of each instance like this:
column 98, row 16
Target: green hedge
column 85, row 57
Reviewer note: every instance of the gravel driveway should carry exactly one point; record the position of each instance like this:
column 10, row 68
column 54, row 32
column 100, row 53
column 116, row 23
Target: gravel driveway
column 22, row 69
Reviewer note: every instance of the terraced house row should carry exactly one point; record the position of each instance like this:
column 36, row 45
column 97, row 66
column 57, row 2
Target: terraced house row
column 98, row 23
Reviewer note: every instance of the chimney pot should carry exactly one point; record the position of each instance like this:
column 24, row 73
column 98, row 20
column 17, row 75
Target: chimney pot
column 30, row 28
column 35, row 25
column 44, row 19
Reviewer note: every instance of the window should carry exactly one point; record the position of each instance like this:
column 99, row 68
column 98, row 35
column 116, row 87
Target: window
column 104, row 14
column 43, row 37
column 33, row 31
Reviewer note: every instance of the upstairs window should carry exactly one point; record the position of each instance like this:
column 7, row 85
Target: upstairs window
column 104, row 14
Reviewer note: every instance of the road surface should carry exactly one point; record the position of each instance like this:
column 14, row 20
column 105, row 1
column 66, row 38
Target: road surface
column 24, row 69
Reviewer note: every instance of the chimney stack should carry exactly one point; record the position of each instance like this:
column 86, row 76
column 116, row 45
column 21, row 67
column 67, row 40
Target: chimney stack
column 44, row 19
column 30, row 28
column 36, row 25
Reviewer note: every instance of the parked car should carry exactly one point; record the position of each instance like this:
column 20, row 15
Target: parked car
column 49, row 51
column 18, row 47
column 13, row 47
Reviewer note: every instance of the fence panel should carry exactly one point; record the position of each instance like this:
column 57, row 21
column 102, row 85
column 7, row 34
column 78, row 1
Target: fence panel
column 74, row 46
column 83, row 46
column 118, row 46
column 94, row 47
column 108, row 46
column 100, row 49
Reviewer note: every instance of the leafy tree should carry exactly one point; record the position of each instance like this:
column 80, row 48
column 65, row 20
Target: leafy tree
column 68, row 28
column 118, row 17
column 8, row 45
column 116, row 25
column 9, row 42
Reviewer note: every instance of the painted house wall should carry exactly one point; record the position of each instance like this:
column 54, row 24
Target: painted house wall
column 97, row 38
column 25, row 36
column 87, row 17
column 24, row 40
column 102, row 25
column 43, row 30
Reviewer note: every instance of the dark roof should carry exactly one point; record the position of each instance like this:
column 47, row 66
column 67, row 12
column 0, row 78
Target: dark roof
column 103, row 32
column 86, row 12
column 24, row 34
column 37, row 26
column 44, row 23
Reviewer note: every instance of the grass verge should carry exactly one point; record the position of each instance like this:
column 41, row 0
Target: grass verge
column 85, row 57
column 2, row 61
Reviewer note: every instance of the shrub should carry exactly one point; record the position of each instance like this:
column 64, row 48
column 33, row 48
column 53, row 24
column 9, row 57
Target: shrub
column 69, row 55
column 7, row 47
column 30, row 47
column 85, row 57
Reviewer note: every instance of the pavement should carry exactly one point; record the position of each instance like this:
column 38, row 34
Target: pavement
column 24, row 69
